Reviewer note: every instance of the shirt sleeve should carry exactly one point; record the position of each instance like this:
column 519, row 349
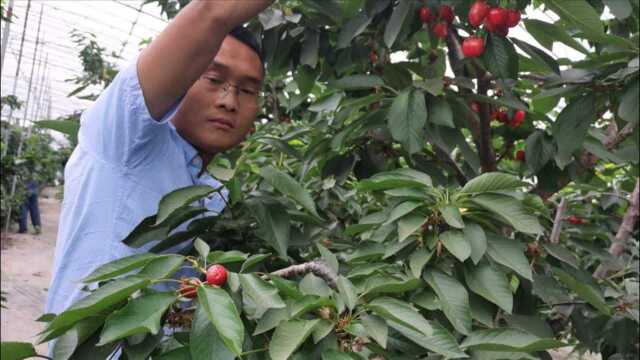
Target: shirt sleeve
column 118, row 127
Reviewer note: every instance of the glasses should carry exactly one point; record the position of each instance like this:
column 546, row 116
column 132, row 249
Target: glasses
column 246, row 94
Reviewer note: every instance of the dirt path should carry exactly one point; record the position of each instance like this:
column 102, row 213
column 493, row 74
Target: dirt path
column 26, row 271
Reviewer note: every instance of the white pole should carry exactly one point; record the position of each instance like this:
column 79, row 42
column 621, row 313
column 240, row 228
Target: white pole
column 15, row 80
column 22, row 137
column 5, row 34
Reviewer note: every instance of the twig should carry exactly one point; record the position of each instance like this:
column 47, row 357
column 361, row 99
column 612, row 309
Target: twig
column 318, row 267
column 557, row 222
column 619, row 244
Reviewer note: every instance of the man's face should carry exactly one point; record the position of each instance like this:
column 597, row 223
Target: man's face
column 220, row 108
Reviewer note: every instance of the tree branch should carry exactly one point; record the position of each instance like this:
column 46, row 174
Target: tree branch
column 445, row 158
column 487, row 155
column 625, row 230
column 318, row 267
column 557, row 222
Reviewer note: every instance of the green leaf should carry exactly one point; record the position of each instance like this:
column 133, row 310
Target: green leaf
column 270, row 320
column 571, row 126
column 409, row 224
column 377, row 328
column 288, row 336
column 13, row 350
column 401, row 312
column 477, row 240
column 225, row 257
column 140, row 315
column 500, row 57
column 539, row 150
column 426, row 299
column 580, row 14
column 508, row 339
column 440, row 112
column 101, row 299
column 253, row 260
column 331, row 354
column 457, row 244
column 162, row 267
column 310, row 45
column 354, row 27
column 401, row 210
column 396, row 179
column 67, row 127
column 549, row 290
column 321, row 330
column 491, row 181
column 628, row 108
column 510, row 253
column 451, row 214
column 355, row 82
column 491, row 284
column 511, row 210
column 418, row 259
column 538, row 55
column 66, row 344
column 584, row 290
column 328, row 257
column 119, row 267
column 387, row 284
column 261, row 292
column 224, row 316
column 202, row 248
column 275, row 226
column 179, row 198
column 561, row 253
column 454, row 299
column 205, row 342
column 290, row 187
column 546, row 34
column 181, row 353
column 394, row 24
column 440, row 340
column 308, row 303
column 348, row 292
column 397, row 76
column 406, row 119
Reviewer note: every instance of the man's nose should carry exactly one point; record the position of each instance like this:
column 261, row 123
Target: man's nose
column 228, row 98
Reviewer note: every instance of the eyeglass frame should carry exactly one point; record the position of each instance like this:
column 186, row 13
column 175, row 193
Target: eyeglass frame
column 226, row 85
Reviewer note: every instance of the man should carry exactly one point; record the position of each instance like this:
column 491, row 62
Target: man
column 30, row 207
column 152, row 131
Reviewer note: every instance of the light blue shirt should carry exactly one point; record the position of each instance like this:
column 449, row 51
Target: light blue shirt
column 125, row 162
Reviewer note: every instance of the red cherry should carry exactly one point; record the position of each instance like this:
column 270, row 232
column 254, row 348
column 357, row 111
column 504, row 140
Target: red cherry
column 473, row 46
column 189, row 288
column 513, row 17
column 477, row 13
column 446, row 13
column 497, row 17
column 502, row 31
column 520, row 155
column 475, row 106
column 425, row 14
column 440, row 30
column 373, row 57
column 575, row 220
column 216, row 275
column 519, row 116
column 503, row 117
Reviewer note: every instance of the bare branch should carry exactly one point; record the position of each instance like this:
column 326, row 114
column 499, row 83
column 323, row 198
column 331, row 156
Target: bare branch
column 318, row 267
column 557, row 222
column 625, row 230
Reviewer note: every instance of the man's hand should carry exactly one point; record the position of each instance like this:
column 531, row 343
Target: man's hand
column 183, row 51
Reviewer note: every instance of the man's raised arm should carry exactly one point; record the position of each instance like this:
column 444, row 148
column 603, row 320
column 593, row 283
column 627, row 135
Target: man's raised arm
column 182, row 52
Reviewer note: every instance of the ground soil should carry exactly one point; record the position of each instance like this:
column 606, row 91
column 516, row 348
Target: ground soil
column 26, row 262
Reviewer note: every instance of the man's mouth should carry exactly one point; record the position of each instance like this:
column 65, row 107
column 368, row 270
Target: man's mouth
column 221, row 123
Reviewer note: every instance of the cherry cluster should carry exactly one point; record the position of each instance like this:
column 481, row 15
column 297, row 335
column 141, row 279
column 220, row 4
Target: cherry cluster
column 496, row 20
column 502, row 116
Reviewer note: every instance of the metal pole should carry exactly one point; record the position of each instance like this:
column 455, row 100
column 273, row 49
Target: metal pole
column 15, row 81
column 5, row 34
column 39, row 92
column 19, row 151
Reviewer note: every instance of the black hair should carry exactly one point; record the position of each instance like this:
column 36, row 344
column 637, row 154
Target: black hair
column 246, row 37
